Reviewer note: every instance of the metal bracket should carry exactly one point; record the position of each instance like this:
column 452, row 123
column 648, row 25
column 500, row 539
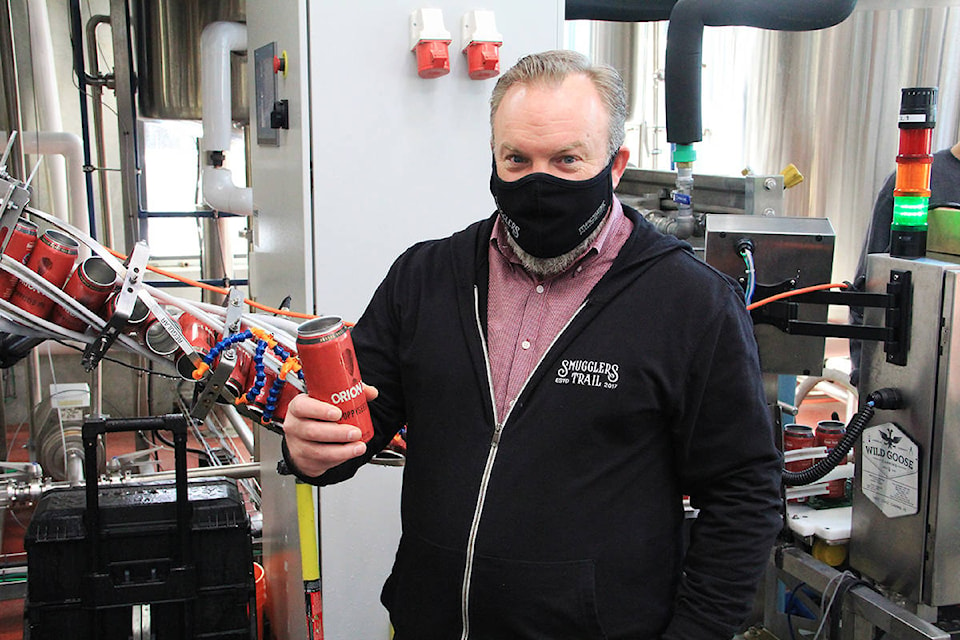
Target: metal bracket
column 15, row 197
column 897, row 302
column 215, row 384
column 126, row 297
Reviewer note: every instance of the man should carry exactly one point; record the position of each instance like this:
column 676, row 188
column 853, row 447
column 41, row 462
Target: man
column 944, row 189
column 566, row 375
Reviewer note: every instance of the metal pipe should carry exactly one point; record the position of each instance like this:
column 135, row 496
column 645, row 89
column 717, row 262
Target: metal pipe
column 237, row 471
column 48, row 105
column 866, row 603
column 11, row 85
column 230, row 414
column 76, row 34
column 96, row 93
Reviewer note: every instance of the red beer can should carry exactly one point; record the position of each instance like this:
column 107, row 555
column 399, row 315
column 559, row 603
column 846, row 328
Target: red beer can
column 140, row 315
column 798, row 436
column 829, row 433
column 19, row 248
column 52, row 258
column 201, row 337
column 331, row 372
column 90, row 284
column 237, row 383
column 258, row 404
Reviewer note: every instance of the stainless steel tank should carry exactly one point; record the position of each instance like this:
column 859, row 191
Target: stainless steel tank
column 168, row 56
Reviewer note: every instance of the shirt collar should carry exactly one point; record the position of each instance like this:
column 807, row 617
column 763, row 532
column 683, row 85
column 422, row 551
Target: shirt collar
column 498, row 238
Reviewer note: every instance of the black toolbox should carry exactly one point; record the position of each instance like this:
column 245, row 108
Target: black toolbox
column 165, row 560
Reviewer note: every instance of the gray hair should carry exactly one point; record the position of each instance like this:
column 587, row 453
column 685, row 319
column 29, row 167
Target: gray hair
column 551, row 68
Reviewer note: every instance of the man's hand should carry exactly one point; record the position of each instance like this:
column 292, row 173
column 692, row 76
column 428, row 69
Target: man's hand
column 315, row 441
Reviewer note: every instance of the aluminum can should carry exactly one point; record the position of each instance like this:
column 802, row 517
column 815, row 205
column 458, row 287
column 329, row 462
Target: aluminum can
column 259, row 404
column 201, row 337
column 52, row 258
column 140, row 316
column 19, row 248
column 829, row 433
column 798, row 436
column 331, row 372
column 156, row 338
column 90, row 284
column 237, row 382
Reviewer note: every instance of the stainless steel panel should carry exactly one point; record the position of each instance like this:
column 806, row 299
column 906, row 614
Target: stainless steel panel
column 784, row 249
column 942, row 579
column 281, row 546
column 168, row 56
column 892, row 550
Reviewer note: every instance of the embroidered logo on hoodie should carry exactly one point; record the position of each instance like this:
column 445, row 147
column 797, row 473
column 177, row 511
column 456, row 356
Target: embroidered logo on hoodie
column 589, row 373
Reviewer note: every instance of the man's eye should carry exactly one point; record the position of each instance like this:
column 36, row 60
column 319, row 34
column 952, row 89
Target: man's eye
column 516, row 159
column 568, row 159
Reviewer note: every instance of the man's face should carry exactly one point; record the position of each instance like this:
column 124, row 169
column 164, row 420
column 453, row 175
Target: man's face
column 560, row 130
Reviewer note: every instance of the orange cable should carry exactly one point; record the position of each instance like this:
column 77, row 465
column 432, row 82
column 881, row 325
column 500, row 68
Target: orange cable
column 221, row 290
column 794, row 292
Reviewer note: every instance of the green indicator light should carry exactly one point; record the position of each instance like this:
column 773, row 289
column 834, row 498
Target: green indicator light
column 910, row 212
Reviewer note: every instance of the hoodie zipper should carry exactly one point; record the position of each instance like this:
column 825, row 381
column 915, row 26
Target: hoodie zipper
column 491, row 454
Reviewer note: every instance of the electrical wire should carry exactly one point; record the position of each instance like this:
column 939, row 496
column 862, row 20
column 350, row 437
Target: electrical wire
column 121, row 363
column 747, row 256
column 216, row 289
column 795, row 292
column 825, row 609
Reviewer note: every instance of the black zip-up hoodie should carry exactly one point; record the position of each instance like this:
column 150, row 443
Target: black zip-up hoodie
column 564, row 520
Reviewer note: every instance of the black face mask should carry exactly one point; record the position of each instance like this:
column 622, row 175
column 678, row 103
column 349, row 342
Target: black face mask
column 548, row 216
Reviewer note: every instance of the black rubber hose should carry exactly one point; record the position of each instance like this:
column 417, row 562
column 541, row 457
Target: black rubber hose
column 881, row 399
column 682, row 75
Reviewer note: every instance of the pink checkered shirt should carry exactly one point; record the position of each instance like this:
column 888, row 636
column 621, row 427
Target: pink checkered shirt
column 525, row 314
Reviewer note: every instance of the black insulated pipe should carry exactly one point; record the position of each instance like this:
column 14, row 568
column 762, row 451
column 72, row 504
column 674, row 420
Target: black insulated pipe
column 619, row 10
column 885, row 398
column 685, row 46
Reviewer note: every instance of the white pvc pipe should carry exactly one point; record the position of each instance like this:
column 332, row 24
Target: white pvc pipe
column 219, row 39
column 220, row 193
column 216, row 43
column 70, row 146
column 48, row 103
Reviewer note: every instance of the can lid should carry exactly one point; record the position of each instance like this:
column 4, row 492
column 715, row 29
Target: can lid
column 799, row 430
column 97, row 274
column 26, row 226
column 60, row 241
column 321, row 330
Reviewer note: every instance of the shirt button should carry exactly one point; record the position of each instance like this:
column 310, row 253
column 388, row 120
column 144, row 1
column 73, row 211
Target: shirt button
column 539, row 288
column 525, row 344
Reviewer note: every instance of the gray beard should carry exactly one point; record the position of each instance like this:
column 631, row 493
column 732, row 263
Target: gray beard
column 545, row 268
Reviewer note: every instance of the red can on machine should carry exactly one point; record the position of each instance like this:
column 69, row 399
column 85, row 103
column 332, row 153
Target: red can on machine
column 52, row 259
column 139, row 317
column 201, row 337
column 237, row 382
column 829, row 433
column 331, row 372
column 798, row 436
column 259, row 403
column 21, row 245
column 90, row 284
